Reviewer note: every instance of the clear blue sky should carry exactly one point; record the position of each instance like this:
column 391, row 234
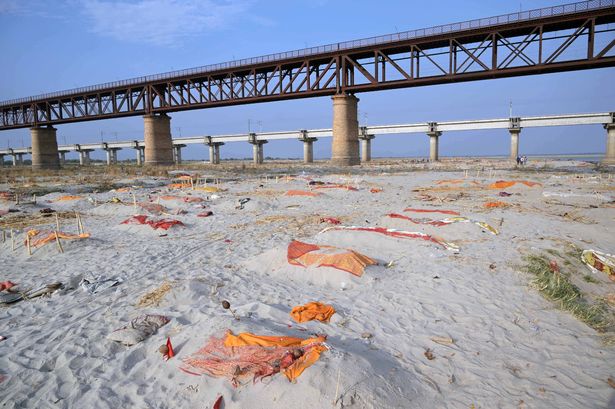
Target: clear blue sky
column 54, row 45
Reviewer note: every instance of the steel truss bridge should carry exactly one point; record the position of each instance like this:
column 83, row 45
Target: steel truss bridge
column 561, row 38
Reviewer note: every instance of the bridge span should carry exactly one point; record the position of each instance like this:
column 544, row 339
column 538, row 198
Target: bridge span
column 531, row 42
column 365, row 135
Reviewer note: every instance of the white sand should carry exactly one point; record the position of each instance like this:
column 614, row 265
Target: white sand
column 512, row 349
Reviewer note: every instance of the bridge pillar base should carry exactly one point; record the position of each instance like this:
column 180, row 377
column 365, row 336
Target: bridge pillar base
column 84, row 157
column 62, row 158
column 258, row 152
column 366, row 147
column 214, row 152
column 44, row 148
column 609, row 157
column 308, row 147
column 177, row 154
column 434, row 146
column 158, row 142
column 514, row 143
column 112, row 155
column 345, row 144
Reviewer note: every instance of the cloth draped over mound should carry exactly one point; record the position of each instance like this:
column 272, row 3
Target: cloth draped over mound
column 139, row 329
column 305, row 254
column 237, row 357
column 335, row 186
column 503, row 184
column 164, row 224
column 399, row 234
column 154, row 208
column 41, row 237
column 444, row 222
column 457, row 182
column 490, row 205
column 186, row 199
column 312, row 311
column 301, row 193
column 67, row 198
column 598, row 261
column 451, row 212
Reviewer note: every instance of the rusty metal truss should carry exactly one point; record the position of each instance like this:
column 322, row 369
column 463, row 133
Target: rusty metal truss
column 568, row 41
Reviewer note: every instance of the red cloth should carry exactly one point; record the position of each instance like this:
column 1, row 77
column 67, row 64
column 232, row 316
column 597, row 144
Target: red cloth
column 164, row 224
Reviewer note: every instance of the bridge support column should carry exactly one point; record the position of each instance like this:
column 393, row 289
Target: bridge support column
column 19, row 159
column 609, row 156
column 177, row 154
column 366, row 145
column 112, row 155
column 44, row 148
column 257, row 149
column 345, row 144
column 84, row 157
column 434, row 148
column 515, row 130
column 214, row 152
column 308, row 147
column 1, row 161
column 140, row 154
column 62, row 157
column 158, row 142
column 14, row 158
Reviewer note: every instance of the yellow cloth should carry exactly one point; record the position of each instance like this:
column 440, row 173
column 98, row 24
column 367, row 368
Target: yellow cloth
column 312, row 311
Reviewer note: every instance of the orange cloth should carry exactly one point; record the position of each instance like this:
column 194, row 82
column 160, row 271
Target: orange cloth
column 304, row 362
column 67, row 198
column 496, row 204
column 375, row 190
column 336, row 186
column 305, row 254
column 301, row 193
column 312, row 311
column 503, row 184
column 42, row 237
column 247, row 339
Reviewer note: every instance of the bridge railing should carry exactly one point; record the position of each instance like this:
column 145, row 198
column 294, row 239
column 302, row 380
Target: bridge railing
column 346, row 45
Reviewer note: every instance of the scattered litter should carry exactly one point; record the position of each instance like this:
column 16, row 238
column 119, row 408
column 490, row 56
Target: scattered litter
column 336, row 186
column 218, row 403
column 242, row 202
column 154, row 297
column 451, row 212
column 205, row 214
column 139, row 329
column 443, row 340
column 153, row 208
column 6, row 285
column 429, row 354
column 304, row 254
column 444, row 222
column 399, row 234
column 167, row 350
column 249, row 356
column 598, row 261
column 375, row 190
column 504, row 194
column 99, row 284
column 312, row 311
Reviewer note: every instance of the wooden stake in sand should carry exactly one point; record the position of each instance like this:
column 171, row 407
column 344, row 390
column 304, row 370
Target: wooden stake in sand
column 57, row 221
column 134, row 200
column 28, row 244
column 59, row 244
column 12, row 241
column 3, row 236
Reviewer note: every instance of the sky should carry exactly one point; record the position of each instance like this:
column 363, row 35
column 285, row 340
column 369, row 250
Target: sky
column 55, row 45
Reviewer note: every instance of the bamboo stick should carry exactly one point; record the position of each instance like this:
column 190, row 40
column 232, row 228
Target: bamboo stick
column 58, row 242
column 3, row 236
column 12, row 241
column 28, row 244
column 57, row 221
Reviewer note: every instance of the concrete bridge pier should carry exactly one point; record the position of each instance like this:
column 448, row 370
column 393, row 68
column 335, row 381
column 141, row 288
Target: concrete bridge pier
column 515, row 130
column 158, row 142
column 84, row 156
column 44, row 148
column 609, row 156
column 111, row 154
column 434, row 143
column 308, row 147
column 140, row 151
column 366, row 145
column 177, row 153
column 17, row 159
column 345, row 141
column 62, row 158
column 258, row 155
column 214, row 151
